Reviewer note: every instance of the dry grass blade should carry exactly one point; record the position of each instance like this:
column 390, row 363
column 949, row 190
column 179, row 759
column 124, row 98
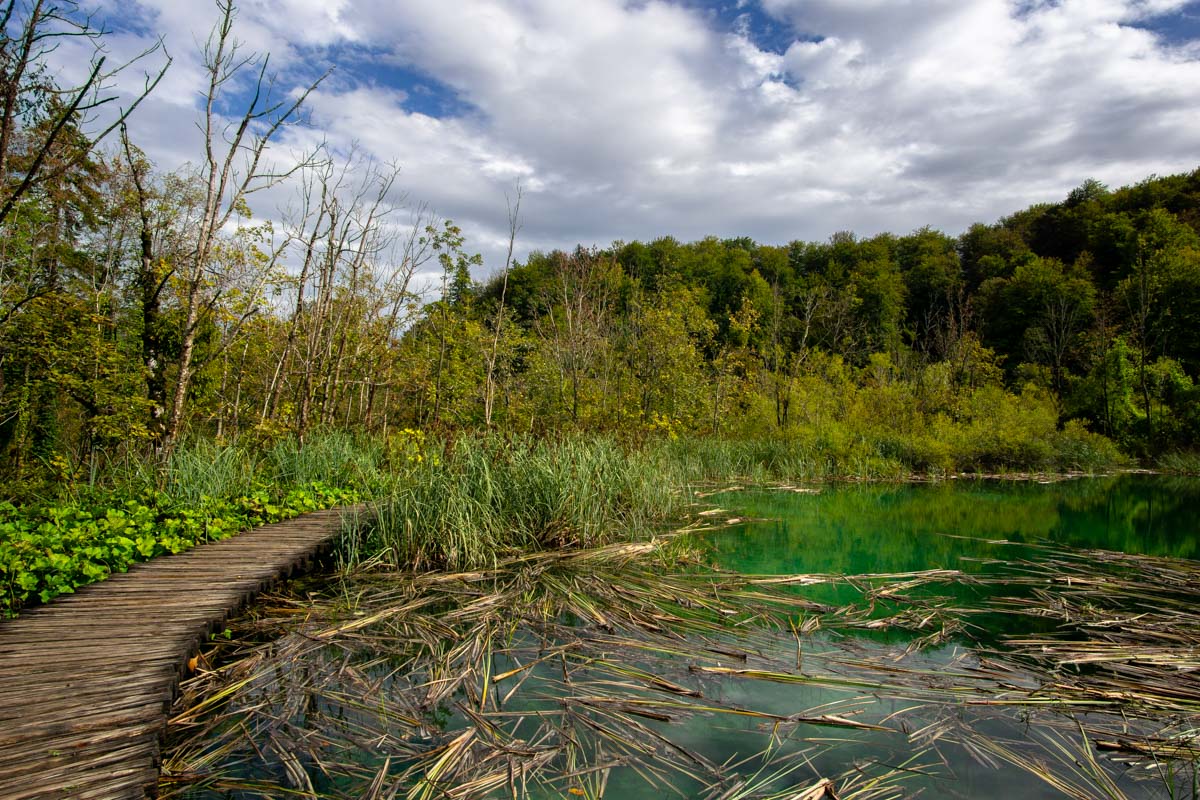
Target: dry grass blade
column 555, row 671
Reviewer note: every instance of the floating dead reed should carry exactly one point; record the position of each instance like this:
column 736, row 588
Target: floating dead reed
column 592, row 672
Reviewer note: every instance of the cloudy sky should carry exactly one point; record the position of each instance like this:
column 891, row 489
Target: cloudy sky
column 775, row 119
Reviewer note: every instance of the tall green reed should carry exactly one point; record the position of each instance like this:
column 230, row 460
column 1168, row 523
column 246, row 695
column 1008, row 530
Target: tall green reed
column 335, row 457
column 202, row 468
column 1182, row 463
column 467, row 503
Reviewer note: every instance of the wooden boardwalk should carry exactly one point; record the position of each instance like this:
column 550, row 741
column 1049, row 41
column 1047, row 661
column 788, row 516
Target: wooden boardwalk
column 86, row 681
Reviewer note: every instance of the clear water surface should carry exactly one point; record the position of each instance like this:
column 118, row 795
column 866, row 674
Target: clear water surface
column 855, row 529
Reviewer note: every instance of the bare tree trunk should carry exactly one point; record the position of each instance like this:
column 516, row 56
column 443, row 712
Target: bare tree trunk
column 489, row 391
column 441, row 362
column 780, row 392
column 226, row 187
column 271, row 401
column 183, row 380
column 237, row 391
column 387, row 397
column 1141, row 308
column 221, row 410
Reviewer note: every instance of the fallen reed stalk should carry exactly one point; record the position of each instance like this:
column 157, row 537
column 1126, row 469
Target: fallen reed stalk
column 578, row 672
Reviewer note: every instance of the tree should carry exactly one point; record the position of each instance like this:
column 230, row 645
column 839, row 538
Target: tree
column 1158, row 295
column 489, row 389
column 352, row 290
column 576, row 319
column 734, row 368
column 879, row 297
column 151, row 278
column 447, row 243
column 47, row 131
column 665, row 354
column 227, row 184
column 29, row 33
column 932, row 277
column 67, row 303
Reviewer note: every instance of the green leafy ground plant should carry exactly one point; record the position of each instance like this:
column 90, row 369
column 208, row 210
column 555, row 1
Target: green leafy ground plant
column 54, row 549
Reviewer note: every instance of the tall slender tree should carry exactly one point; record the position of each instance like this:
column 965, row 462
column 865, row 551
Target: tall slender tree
column 233, row 168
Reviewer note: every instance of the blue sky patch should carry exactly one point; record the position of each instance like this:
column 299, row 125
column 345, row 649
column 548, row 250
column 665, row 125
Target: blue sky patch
column 1178, row 27
column 425, row 94
column 766, row 32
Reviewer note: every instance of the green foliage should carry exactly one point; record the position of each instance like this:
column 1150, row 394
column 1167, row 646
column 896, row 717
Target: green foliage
column 830, row 455
column 891, row 352
column 204, row 468
column 891, row 431
column 54, row 549
column 206, row 492
column 1181, row 463
column 468, row 503
column 1077, row 448
column 876, row 355
column 335, row 457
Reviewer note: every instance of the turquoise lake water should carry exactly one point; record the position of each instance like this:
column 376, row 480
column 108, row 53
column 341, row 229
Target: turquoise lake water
column 914, row 732
column 978, row 527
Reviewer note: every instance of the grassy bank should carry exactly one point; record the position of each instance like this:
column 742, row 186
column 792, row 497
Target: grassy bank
column 468, row 503
column 464, row 502
column 53, row 544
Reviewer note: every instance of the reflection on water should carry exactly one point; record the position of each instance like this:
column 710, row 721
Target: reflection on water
column 870, row 528
column 702, row 692
column 977, row 527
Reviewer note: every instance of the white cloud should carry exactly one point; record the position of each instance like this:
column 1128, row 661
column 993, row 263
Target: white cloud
column 636, row 119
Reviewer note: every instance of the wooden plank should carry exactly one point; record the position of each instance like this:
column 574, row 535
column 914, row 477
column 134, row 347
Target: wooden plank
column 133, row 777
column 120, row 711
column 62, row 713
column 35, row 693
column 86, row 681
column 54, row 632
column 87, row 751
column 55, row 667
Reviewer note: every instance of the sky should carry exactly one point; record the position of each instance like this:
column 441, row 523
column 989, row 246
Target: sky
column 773, row 119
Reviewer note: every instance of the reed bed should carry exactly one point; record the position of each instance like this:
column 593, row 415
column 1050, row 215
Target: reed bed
column 587, row 672
column 334, row 457
column 474, row 501
column 203, row 469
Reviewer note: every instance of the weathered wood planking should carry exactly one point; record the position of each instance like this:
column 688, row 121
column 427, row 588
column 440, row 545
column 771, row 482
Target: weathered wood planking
column 86, row 681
